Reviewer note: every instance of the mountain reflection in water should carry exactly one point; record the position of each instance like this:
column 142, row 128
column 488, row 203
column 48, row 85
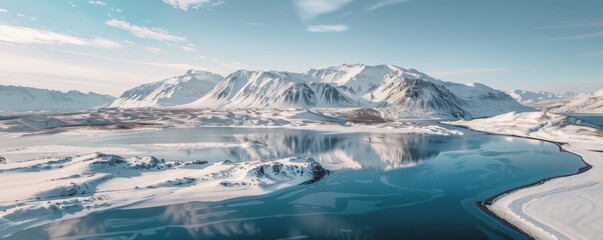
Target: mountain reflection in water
column 332, row 150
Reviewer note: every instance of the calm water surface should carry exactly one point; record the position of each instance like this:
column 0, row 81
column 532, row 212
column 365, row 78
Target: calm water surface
column 400, row 186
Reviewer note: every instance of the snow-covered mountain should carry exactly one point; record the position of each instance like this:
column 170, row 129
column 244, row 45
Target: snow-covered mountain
column 169, row 92
column 359, row 77
column 274, row 89
column 590, row 103
column 18, row 98
column 407, row 92
column 528, row 97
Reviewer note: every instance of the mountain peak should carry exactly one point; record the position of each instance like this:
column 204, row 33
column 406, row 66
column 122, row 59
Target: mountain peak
column 169, row 92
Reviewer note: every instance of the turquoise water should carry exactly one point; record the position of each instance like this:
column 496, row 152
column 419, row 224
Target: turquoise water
column 407, row 187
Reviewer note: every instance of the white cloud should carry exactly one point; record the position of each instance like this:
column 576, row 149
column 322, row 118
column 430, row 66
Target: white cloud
column 26, row 36
column 3, row 10
column 256, row 24
column 195, row 4
column 580, row 37
column 59, row 73
column 384, row 3
column 20, row 15
column 594, row 54
column 327, row 28
column 308, row 9
column 97, row 2
column 144, row 32
column 229, row 64
column 576, row 24
column 470, row 71
column 178, row 66
column 72, row 4
column 154, row 49
column 188, row 48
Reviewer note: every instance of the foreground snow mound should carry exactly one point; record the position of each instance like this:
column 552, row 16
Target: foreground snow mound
column 17, row 98
column 590, row 103
column 169, row 92
column 407, row 92
column 563, row 208
column 41, row 190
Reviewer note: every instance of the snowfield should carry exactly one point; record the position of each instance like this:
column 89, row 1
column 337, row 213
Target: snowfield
column 562, row 208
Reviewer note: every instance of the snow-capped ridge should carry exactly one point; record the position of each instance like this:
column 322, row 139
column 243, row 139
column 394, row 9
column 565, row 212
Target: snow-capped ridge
column 19, row 98
column 169, row 92
column 590, row 103
column 406, row 91
column 530, row 97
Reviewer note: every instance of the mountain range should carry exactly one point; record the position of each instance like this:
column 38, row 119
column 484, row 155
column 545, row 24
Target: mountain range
column 588, row 103
column 18, row 98
column 529, row 97
column 406, row 93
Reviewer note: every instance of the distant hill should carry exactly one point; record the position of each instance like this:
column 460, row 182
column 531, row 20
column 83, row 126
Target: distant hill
column 18, row 98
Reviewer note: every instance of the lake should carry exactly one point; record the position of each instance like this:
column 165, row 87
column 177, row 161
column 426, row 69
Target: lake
column 386, row 186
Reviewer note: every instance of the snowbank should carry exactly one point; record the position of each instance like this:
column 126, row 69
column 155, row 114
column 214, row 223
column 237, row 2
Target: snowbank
column 562, row 208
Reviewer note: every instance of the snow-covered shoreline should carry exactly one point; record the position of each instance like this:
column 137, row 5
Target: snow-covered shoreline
column 566, row 207
column 48, row 189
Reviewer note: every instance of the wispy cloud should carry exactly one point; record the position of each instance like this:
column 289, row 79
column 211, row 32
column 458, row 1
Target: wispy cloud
column 187, row 47
column 228, row 64
column 28, row 36
column 309, row 9
column 3, row 10
column 384, row 3
column 158, row 34
column 470, row 71
column 580, row 36
column 178, row 66
column 97, row 2
column 576, row 24
column 256, row 24
column 154, row 49
column 327, row 28
column 195, row 4
column 594, row 54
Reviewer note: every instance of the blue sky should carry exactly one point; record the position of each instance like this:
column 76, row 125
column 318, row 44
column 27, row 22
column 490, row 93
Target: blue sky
column 108, row 46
